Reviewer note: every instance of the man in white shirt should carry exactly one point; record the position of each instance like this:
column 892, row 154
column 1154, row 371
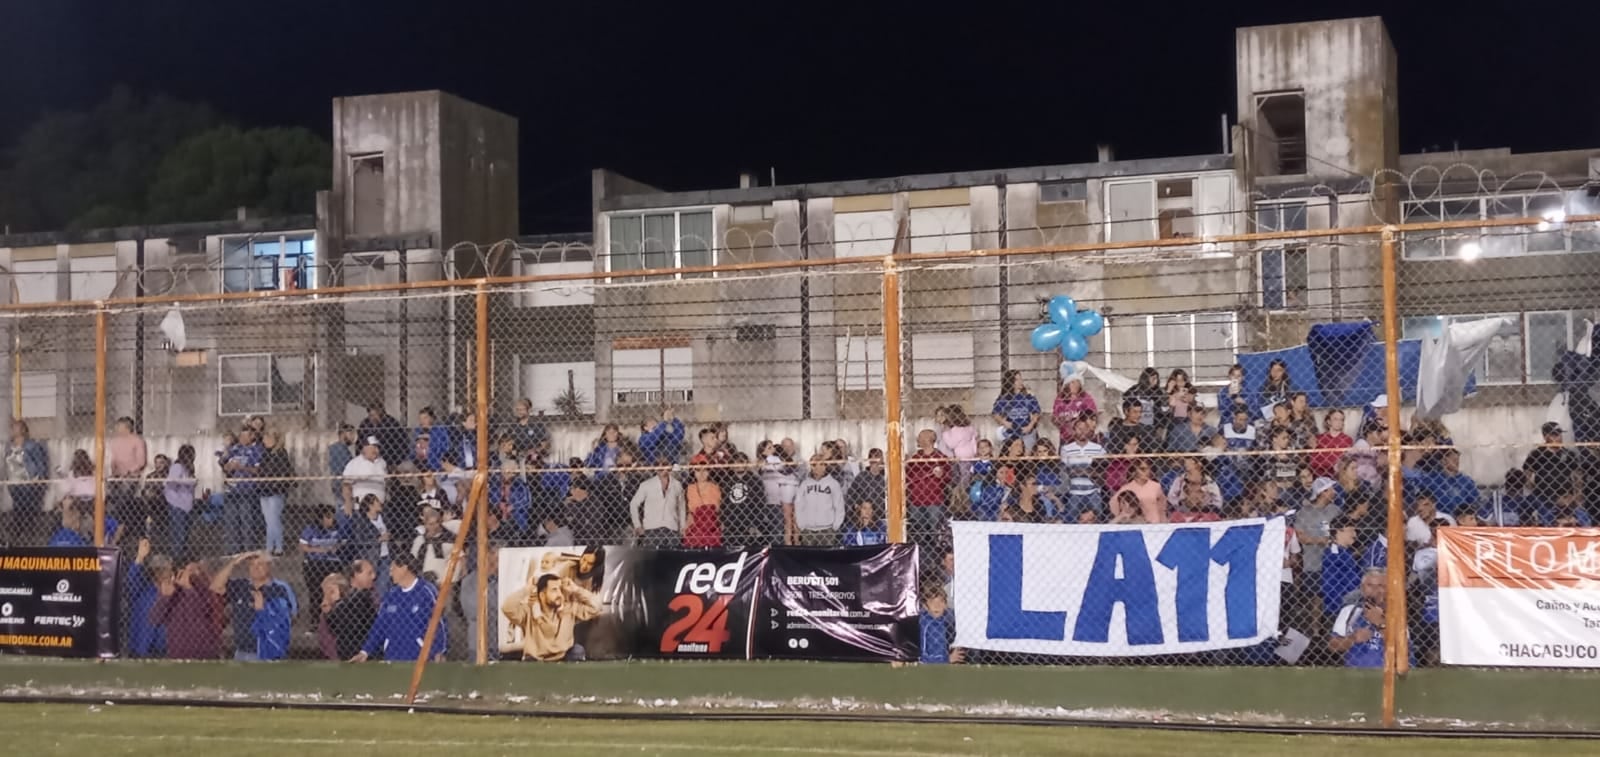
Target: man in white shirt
column 659, row 510
column 1079, row 457
column 366, row 474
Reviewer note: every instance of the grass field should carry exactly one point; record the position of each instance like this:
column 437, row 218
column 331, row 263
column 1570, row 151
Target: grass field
column 104, row 730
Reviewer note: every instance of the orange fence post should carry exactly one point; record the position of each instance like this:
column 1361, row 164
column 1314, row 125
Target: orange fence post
column 1394, row 639
column 100, row 425
column 482, row 410
column 479, row 494
column 894, row 456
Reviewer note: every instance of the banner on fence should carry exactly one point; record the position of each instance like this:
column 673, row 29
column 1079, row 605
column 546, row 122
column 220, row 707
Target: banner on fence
column 1116, row 591
column 571, row 603
column 1519, row 597
column 59, row 602
column 855, row 603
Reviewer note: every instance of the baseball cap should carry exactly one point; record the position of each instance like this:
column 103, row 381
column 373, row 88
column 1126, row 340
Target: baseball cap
column 372, row 441
column 1321, row 485
column 1551, row 428
column 1381, row 400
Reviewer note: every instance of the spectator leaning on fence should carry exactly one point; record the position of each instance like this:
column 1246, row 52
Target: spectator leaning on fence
column 190, row 614
column 350, row 618
column 659, row 509
column 260, row 608
column 402, row 622
column 27, row 474
column 1359, row 627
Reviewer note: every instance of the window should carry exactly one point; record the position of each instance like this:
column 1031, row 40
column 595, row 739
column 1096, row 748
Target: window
column 944, row 229
column 1285, row 270
column 652, row 376
column 1176, row 207
column 94, row 278
column 1280, row 133
column 367, row 194
column 868, row 234
column 260, row 384
column 1502, row 362
column 1204, row 344
column 666, row 239
column 942, row 361
column 38, row 394
column 1550, row 236
column 35, row 280
column 266, row 263
column 1549, row 332
column 860, row 363
column 558, row 388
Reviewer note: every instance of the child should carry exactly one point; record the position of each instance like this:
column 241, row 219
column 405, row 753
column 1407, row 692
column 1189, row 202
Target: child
column 938, row 629
column 1340, row 572
column 866, row 528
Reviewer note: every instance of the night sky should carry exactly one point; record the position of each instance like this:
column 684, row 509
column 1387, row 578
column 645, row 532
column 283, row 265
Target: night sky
column 687, row 98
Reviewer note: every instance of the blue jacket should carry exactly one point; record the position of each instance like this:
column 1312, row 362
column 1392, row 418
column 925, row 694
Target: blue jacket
column 438, row 443
column 35, row 459
column 937, row 634
column 602, row 460
column 402, row 620
column 270, row 626
column 144, row 639
column 1340, row 576
column 520, row 504
column 665, row 440
column 856, row 536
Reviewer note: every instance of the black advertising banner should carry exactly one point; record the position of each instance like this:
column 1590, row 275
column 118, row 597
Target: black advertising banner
column 693, row 604
column 59, row 602
column 854, row 603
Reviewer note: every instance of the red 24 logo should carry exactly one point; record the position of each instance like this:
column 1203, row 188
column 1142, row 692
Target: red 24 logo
column 698, row 626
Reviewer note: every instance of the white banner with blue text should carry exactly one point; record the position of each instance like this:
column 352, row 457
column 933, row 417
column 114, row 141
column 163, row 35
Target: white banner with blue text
column 1116, row 591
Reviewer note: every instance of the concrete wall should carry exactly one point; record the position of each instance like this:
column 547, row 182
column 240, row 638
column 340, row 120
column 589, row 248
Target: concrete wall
column 405, row 128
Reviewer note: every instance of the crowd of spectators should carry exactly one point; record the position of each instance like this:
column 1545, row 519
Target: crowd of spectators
column 382, row 519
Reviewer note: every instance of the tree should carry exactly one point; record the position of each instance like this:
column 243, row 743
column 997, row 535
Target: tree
column 207, row 176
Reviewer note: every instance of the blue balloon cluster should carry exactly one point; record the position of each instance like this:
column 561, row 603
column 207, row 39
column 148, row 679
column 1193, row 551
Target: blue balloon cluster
column 1069, row 329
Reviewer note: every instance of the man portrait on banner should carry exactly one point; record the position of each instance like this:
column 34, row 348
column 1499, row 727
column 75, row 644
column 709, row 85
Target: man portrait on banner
column 547, row 611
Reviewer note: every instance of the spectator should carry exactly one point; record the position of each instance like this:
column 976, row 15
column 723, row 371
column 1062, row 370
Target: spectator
column 747, row 517
column 603, row 458
column 1147, row 392
column 278, row 472
column 1083, row 458
column 1351, row 487
column 1016, row 410
column 871, row 487
column 1232, row 396
column 1126, row 508
column 1194, row 476
column 433, row 544
column 714, row 452
column 328, row 591
column 1118, row 470
column 240, row 466
column 469, row 602
column 27, row 474
column 866, row 526
column 178, row 491
column 778, row 481
column 390, row 436
column 1369, row 517
column 1222, row 466
column 1340, row 573
column 938, row 624
column 439, row 437
column 367, row 536
column 352, row 615
column 928, row 474
column 659, row 510
column 80, row 481
column 1359, row 626
column 145, row 638
column 1045, row 463
column 1298, row 494
column 1302, row 424
column 320, row 545
column 77, row 526
column 704, row 529
column 340, row 453
column 1313, row 524
column 1028, row 504
column 1425, row 511
column 983, row 465
column 1331, row 445
column 260, row 608
column 819, row 507
column 1565, row 512
column 547, row 611
column 525, row 430
column 840, row 466
column 1277, row 388
column 128, row 459
column 1072, row 403
column 1184, row 438
column 1368, row 454
column 1511, row 505
column 1240, row 434
column 1152, row 502
column 1454, row 491
column 1194, row 506
column 457, row 467
column 1280, row 466
column 663, row 438
column 992, row 493
column 1134, row 423
column 1550, row 467
column 367, row 474
column 190, row 614
column 959, row 440
column 510, row 491
column 403, row 617
column 431, row 494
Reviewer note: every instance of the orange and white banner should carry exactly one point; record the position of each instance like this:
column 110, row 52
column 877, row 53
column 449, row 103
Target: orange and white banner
column 1526, row 597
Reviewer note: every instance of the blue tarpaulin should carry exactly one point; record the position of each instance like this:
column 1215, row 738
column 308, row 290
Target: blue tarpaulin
column 1340, row 365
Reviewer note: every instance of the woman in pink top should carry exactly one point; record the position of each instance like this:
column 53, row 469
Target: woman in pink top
column 1072, row 403
column 1152, row 501
column 960, row 441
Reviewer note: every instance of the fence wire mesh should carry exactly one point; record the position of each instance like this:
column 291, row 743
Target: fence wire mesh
column 283, row 456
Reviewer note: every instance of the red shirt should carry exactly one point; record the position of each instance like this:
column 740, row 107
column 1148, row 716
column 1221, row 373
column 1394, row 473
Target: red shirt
column 1324, row 463
column 926, row 475
column 704, row 530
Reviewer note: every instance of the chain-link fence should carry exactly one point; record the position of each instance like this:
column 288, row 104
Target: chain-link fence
column 275, row 463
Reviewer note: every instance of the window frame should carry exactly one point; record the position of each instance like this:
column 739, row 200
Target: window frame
column 713, row 248
column 273, row 405
column 1283, row 249
column 1521, row 234
column 659, row 394
column 304, row 262
column 1149, row 350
